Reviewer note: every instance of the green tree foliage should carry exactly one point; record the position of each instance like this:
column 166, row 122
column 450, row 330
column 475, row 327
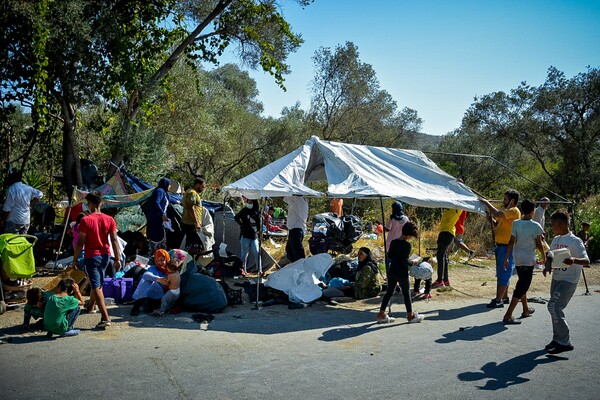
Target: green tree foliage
column 257, row 29
column 349, row 105
column 59, row 56
column 557, row 123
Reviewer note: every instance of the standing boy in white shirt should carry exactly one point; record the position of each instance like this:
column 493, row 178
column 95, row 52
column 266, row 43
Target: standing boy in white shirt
column 564, row 280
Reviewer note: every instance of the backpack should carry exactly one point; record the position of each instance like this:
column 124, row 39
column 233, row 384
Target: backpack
column 368, row 283
column 352, row 228
column 335, row 226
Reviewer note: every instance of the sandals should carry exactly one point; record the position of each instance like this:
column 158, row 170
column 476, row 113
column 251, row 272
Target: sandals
column 511, row 321
column 530, row 311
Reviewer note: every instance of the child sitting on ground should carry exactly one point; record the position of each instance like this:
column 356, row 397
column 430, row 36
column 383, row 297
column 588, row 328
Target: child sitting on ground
column 172, row 282
column 62, row 309
column 36, row 303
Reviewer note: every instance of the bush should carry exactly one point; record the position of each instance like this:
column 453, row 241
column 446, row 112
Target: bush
column 590, row 212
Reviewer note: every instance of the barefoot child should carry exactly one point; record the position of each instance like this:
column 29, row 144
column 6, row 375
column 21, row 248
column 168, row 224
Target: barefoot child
column 399, row 253
column 526, row 236
column 172, row 282
column 564, row 280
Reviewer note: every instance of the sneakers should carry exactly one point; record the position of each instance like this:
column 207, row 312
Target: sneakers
column 438, row 284
column 447, row 282
column 428, row 296
column 416, row 318
column 386, row 320
column 506, row 300
column 560, row 348
column 495, row 304
column 72, row 332
column 103, row 324
column 551, row 345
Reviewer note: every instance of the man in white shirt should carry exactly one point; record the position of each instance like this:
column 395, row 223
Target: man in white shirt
column 296, row 223
column 17, row 206
column 540, row 212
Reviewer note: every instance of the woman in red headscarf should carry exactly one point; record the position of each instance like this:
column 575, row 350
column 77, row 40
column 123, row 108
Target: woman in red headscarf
column 149, row 290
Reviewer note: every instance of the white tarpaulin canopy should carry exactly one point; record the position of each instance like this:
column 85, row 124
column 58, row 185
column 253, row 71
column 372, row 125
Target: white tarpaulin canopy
column 358, row 171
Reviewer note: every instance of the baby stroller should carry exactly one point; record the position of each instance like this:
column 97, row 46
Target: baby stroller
column 18, row 265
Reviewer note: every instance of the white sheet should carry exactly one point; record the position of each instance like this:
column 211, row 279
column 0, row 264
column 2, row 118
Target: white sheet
column 300, row 280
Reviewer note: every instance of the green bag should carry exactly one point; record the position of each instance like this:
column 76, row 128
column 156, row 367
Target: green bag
column 16, row 253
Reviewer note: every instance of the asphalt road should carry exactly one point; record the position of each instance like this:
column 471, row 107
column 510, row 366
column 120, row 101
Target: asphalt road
column 320, row 352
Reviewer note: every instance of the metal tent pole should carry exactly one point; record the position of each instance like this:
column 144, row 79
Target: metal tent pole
column 62, row 238
column 259, row 258
column 571, row 210
column 385, row 254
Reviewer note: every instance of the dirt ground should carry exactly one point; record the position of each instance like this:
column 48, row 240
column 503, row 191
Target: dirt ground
column 469, row 283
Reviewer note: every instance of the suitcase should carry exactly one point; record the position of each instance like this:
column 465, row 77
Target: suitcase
column 120, row 289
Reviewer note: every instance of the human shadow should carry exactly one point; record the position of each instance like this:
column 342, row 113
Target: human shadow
column 336, row 334
column 508, row 373
column 473, row 333
column 456, row 313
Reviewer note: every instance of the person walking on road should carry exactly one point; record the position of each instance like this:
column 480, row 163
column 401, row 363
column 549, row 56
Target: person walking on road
column 95, row 230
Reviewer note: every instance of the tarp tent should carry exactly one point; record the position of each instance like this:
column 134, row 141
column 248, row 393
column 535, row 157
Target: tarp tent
column 226, row 229
column 358, row 171
column 114, row 193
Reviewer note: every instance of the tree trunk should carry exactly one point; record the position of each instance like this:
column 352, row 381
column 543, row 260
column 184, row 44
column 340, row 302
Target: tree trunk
column 136, row 97
column 71, row 162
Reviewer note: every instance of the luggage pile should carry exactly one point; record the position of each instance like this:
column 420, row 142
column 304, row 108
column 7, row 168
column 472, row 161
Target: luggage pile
column 332, row 233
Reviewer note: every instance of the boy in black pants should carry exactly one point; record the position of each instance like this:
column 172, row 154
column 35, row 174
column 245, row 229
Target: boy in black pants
column 399, row 253
column 526, row 236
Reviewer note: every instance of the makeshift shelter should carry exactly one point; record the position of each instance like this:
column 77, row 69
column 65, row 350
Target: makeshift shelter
column 358, row 171
column 226, row 229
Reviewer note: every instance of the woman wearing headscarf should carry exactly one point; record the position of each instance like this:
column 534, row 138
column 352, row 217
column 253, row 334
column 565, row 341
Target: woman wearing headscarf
column 155, row 210
column 394, row 225
column 149, row 290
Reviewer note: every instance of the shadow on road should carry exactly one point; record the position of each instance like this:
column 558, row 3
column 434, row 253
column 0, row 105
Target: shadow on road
column 455, row 313
column 508, row 373
column 473, row 333
column 335, row 334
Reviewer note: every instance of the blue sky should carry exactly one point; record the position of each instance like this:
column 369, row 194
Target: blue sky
column 435, row 56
